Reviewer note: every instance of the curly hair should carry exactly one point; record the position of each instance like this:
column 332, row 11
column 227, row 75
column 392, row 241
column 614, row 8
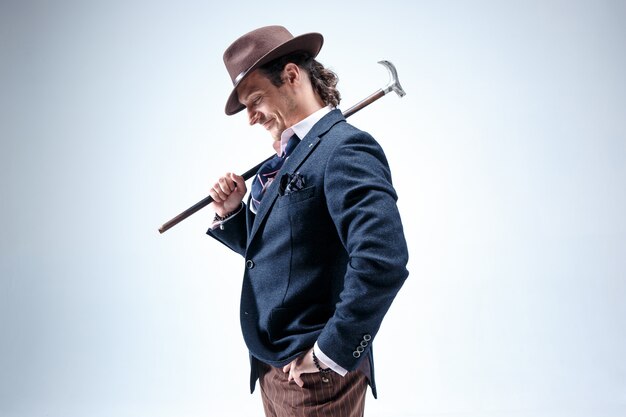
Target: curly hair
column 323, row 80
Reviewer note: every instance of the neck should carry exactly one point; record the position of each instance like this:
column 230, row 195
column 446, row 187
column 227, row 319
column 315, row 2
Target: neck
column 309, row 106
column 308, row 101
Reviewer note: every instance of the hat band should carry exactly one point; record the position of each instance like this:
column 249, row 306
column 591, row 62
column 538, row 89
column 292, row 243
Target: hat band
column 239, row 77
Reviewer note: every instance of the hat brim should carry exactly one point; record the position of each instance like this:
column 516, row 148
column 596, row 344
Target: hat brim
column 309, row 42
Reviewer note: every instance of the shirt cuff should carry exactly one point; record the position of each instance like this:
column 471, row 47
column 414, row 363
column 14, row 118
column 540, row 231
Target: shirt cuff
column 328, row 361
column 220, row 223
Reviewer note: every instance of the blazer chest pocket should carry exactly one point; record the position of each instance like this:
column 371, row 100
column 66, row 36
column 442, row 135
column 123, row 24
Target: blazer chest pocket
column 296, row 196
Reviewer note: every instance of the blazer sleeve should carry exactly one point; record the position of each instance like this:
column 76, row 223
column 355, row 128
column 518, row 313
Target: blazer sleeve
column 233, row 232
column 362, row 203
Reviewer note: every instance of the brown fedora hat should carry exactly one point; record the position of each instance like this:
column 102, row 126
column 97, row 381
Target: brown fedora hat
column 259, row 47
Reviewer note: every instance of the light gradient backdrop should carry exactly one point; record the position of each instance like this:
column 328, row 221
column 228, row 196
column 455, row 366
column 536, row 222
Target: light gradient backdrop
column 508, row 154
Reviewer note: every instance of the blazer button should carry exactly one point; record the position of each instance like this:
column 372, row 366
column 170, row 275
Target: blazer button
column 367, row 337
column 249, row 264
column 356, row 354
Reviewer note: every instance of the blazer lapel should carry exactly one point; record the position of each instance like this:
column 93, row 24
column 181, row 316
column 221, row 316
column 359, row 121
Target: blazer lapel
column 299, row 155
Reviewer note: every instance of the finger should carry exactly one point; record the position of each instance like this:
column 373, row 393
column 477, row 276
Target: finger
column 218, row 188
column 231, row 182
column 298, row 379
column 216, row 193
column 240, row 183
column 227, row 185
column 295, row 374
column 286, row 368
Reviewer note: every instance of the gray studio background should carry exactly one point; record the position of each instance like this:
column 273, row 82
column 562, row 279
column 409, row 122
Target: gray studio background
column 508, row 154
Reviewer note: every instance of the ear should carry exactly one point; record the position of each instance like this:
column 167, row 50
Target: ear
column 291, row 73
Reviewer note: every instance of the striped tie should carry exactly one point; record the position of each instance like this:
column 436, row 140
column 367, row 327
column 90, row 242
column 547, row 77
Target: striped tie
column 267, row 173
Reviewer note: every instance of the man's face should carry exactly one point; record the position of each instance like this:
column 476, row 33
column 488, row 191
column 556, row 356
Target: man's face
column 270, row 106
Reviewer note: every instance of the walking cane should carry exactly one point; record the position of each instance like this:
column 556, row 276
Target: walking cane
column 394, row 85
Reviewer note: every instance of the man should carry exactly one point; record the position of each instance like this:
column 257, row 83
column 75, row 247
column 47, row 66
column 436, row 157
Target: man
column 321, row 235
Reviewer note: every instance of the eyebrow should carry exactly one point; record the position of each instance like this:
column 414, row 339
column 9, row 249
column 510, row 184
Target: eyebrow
column 248, row 95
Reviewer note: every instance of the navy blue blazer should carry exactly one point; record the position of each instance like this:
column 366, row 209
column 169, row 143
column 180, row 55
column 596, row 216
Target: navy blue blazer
column 322, row 263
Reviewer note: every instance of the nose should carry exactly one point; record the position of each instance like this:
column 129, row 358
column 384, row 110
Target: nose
column 253, row 116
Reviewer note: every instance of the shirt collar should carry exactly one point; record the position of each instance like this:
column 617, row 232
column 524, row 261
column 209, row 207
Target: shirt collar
column 303, row 127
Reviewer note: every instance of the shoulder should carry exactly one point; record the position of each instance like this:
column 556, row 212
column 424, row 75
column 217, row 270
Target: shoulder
column 338, row 137
column 342, row 131
column 345, row 137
